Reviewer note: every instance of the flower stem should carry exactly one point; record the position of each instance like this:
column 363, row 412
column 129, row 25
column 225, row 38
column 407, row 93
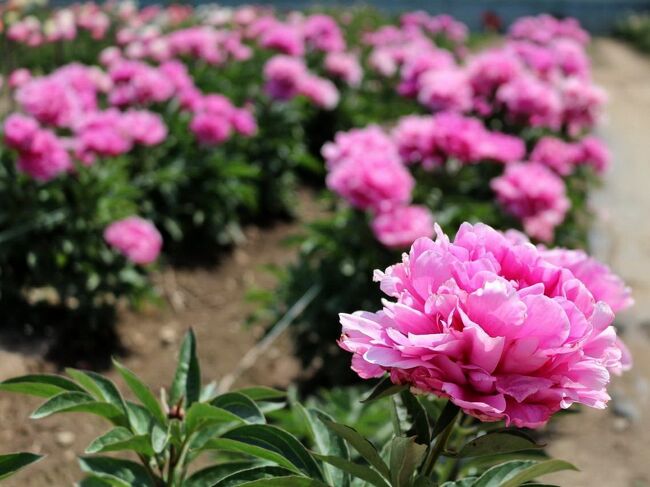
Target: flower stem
column 437, row 448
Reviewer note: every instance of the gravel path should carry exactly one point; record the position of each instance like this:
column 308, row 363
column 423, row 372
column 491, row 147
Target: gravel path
column 611, row 447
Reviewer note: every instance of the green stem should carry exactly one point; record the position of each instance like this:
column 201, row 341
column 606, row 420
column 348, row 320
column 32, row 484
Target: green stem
column 437, row 448
column 394, row 416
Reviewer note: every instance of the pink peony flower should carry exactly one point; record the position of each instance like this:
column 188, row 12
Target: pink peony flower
column 431, row 59
column 556, row 154
column 356, row 143
column 595, row 153
column 530, row 101
column 323, row 33
column 144, row 127
column 46, row 157
column 284, row 76
column 136, row 238
column 19, row 131
column 582, row 104
column 320, row 91
column 445, row 89
column 286, row 39
column 345, row 66
column 400, row 227
column 18, row 77
column 491, row 325
column 377, row 182
column 210, row 129
column 534, row 194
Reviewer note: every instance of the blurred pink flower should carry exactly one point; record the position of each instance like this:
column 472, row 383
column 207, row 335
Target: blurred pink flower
column 344, row 65
column 401, row 226
column 136, row 238
column 535, row 195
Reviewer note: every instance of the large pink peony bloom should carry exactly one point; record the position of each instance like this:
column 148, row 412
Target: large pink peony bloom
column 492, row 325
column 136, row 238
column 399, row 228
column 534, row 194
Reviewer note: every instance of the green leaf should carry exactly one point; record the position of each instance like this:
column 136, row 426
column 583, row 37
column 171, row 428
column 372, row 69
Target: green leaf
column 325, row 441
column 362, row 472
column 139, row 418
column 259, row 473
column 102, row 388
column 366, row 449
column 498, row 442
column 537, row 470
column 252, row 450
column 263, row 393
column 277, row 441
column 241, row 406
column 118, row 472
column 516, row 472
column 466, row 482
column 448, row 414
column 419, row 417
column 405, row 456
column 201, row 414
column 78, row 402
column 159, row 437
column 120, row 439
column 289, row 481
column 384, row 388
column 209, row 476
column 43, row 385
column 13, row 462
column 142, row 392
column 187, row 380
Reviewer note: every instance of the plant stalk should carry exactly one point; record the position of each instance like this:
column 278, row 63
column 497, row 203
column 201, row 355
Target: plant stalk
column 437, row 448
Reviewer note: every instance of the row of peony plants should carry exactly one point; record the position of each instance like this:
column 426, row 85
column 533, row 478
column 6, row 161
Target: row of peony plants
column 508, row 143
column 483, row 335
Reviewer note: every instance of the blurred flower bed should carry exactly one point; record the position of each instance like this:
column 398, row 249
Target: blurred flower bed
column 131, row 132
column 636, row 30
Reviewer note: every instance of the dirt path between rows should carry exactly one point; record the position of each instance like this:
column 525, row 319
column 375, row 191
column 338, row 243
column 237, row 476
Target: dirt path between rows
column 612, row 448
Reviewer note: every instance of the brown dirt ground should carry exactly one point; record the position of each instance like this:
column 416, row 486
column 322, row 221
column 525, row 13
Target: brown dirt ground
column 611, row 448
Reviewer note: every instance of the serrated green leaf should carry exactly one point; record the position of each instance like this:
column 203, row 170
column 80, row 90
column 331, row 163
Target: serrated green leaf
column 405, row 456
column 384, row 388
column 498, row 442
column 366, row 449
column 187, row 380
column 40, row 385
column 142, row 392
column 13, row 462
column 120, row 472
column 359, row 471
column 240, row 405
column 78, row 402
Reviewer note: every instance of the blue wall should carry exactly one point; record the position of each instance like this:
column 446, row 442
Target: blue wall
column 598, row 16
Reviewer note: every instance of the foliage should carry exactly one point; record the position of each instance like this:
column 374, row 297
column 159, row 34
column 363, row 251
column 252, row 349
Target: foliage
column 428, row 445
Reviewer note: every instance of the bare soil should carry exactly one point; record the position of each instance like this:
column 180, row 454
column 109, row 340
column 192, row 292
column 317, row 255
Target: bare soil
column 611, row 448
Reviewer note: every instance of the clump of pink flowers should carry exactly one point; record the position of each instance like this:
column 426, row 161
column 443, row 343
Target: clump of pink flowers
column 400, row 227
column 136, row 238
column 492, row 324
